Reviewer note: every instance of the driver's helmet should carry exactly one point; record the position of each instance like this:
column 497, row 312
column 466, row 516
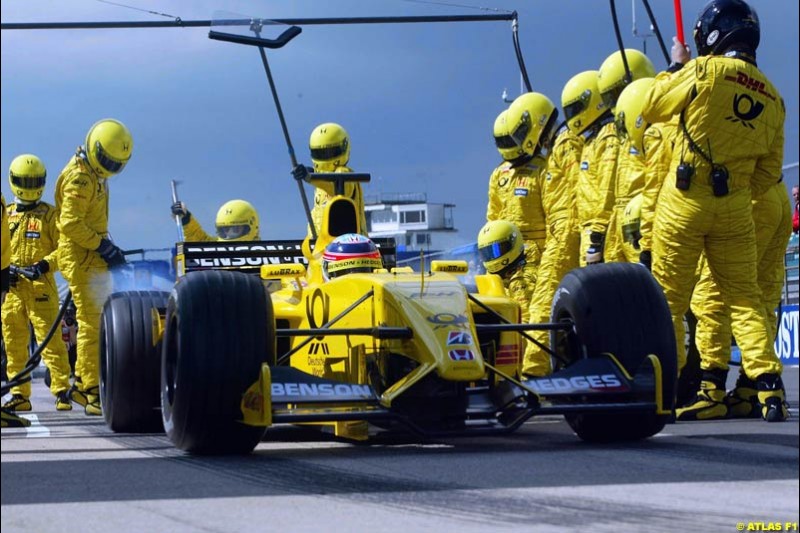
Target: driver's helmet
column 350, row 253
column 237, row 220
column 500, row 246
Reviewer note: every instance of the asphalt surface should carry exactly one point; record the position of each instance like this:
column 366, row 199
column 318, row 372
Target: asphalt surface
column 68, row 472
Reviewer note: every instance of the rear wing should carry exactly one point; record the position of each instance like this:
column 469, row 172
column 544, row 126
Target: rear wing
column 249, row 256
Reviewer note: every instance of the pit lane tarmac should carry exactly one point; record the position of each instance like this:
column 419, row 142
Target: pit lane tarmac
column 68, row 472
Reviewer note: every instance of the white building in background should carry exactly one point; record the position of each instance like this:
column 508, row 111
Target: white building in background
column 414, row 223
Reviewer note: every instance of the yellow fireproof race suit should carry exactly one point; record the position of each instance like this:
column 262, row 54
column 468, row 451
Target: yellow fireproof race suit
column 194, row 232
column 658, row 142
column 5, row 252
column 560, row 253
column 34, row 237
column 82, row 202
column 629, row 182
column 772, row 215
column 595, row 189
column 515, row 195
column 731, row 112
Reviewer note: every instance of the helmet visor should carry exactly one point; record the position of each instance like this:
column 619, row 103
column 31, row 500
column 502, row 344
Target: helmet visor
column 236, row 231
column 575, row 108
column 522, row 129
column 328, row 153
column 495, row 250
column 611, row 96
column 25, row 182
column 107, row 161
column 505, row 141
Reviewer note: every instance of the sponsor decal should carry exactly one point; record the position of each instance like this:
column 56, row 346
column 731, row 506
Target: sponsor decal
column 507, row 354
column 458, row 337
column 520, row 192
column 752, row 84
column 575, row 383
column 243, row 262
column 253, row 401
column 584, row 165
column 443, row 320
column 634, row 151
column 319, row 348
column 318, row 310
column 461, row 355
column 321, row 390
column 503, row 181
column 32, row 235
column 786, row 343
column 434, row 294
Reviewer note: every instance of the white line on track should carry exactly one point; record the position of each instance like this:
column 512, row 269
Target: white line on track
column 35, row 430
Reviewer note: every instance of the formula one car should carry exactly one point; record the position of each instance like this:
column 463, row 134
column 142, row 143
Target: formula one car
column 222, row 357
column 252, row 335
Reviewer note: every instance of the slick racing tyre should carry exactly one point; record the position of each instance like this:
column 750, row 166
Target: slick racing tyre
column 130, row 361
column 219, row 330
column 616, row 308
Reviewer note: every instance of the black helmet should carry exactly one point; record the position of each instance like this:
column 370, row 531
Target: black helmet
column 723, row 23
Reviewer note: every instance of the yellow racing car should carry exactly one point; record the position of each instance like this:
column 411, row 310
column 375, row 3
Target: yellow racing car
column 250, row 337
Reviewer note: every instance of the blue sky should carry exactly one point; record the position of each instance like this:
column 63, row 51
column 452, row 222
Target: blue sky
column 418, row 101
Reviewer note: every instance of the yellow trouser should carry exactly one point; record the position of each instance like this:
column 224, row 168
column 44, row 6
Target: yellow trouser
column 90, row 289
column 519, row 285
column 772, row 218
column 559, row 257
column 688, row 223
column 35, row 302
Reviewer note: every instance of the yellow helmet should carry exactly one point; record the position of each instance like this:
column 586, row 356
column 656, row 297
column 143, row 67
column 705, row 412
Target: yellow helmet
column 611, row 76
column 532, row 121
column 237, row 220
column 27, row 177
column 581, row 101
column 631, row 220
column 628, row 117
column 505, row 143
column 499, row 245
column 330, row 147
column 109, row 146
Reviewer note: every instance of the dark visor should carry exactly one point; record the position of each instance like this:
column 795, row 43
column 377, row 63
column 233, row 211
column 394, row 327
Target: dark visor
column 106, row 161
column 505, row 141
column 327, row 153
column 575, row 108
column 228, row 233
column 611, row 96
column 495, row 250
column 25, row 182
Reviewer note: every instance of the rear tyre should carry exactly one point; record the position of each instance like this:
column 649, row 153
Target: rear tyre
column 219, row 330
column 617, row 308
column 130, row 361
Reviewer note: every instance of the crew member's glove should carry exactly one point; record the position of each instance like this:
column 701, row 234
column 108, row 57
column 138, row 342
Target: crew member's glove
column 13, row 275
column 179, row 210
column 646, row 259
column 594, row 254
column 301, row 172
column 110, row 253
column 37, row 270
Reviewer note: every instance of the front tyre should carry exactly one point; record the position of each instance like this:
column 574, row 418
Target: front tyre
column 219, row 330
column 130, row 359
column 617, row 308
